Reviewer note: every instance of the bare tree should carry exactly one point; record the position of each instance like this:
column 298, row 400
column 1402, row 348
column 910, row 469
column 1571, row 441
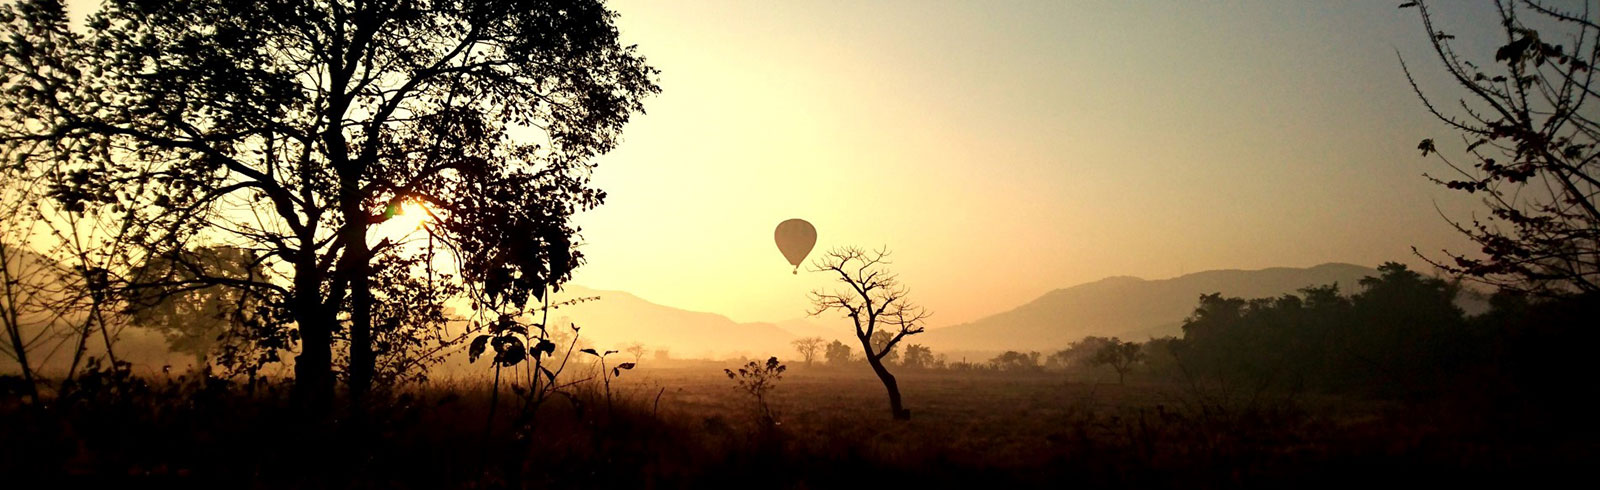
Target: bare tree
column 876, row 302
column 1530, row 149
column 636, row 350
column 808, row 347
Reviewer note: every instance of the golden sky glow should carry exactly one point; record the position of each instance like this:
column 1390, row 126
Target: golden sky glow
column 1006, row 149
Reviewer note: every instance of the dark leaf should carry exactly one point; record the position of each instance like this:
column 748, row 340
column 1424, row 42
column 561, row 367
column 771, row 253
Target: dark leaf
column 543, row 347
column 512, row 356
column 477, row 347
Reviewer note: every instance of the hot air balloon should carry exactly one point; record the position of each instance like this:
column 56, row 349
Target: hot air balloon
column 795, row 238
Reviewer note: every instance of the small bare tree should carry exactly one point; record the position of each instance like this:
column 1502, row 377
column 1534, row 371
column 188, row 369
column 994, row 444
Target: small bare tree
column 876, row 302
column 808, row 347
column 636, row 350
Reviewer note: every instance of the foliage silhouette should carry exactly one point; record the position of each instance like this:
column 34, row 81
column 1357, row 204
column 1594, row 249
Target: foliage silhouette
column 1402, row 334
column 758, row 379
column 318, row 119
column 837, row 353
column 1120, row 355
column 1016, row 361
column 206, row 320
column 1077, row 354
column 1530, row 134
column 918, row 357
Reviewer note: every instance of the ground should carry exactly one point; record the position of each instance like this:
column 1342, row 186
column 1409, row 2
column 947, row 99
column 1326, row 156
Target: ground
column 685, row 425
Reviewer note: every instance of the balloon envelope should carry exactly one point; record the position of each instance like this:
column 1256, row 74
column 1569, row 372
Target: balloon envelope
column 795, row 238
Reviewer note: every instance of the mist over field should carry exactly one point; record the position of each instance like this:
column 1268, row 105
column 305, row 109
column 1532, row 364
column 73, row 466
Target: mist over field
column 718, row 244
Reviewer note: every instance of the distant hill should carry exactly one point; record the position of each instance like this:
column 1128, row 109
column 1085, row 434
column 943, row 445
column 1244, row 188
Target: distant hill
column 830, row 326
column 52, row 352
column 1127, row 307
column 620, row 318
column 1122, row 306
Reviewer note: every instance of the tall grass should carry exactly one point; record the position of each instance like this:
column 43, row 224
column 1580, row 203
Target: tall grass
column 693, row 429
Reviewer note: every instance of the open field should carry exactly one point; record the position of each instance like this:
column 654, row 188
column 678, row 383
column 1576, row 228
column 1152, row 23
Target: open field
column 833, row 430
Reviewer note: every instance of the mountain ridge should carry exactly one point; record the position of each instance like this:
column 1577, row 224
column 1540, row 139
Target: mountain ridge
column 1127, row 306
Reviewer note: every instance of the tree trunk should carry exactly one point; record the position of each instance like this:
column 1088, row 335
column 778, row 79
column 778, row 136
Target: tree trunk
column 313, row 368
column 355, row 267
column 895, row 408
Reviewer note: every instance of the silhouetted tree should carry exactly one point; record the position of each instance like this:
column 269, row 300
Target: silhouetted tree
column 876, row 302
column 1078, row 353
column 1158, row 356
column 1401, row 334
column 808, row 347
column 918, row 357
column 1530, row 149
column 1121, row 356
column 292, row 127
column 197, row 318
column 1014, row 361
column 636, row 350
column 882, row 342
column 837, row 353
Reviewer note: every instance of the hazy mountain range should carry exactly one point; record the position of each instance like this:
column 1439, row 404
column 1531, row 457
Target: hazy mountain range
column 619, row 318
column 1127, row 307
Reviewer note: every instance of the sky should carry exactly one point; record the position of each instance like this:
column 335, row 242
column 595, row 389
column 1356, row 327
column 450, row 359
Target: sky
column 1005, row 149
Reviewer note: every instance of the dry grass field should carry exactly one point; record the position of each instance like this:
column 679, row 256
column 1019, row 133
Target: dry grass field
column 686, row 425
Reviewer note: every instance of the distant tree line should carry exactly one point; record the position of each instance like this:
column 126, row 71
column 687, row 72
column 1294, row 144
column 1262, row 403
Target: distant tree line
column 1400, row 334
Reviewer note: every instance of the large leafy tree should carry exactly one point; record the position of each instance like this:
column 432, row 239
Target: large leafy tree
column 1530, row 136
column 290, row 128
column 208, row 321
